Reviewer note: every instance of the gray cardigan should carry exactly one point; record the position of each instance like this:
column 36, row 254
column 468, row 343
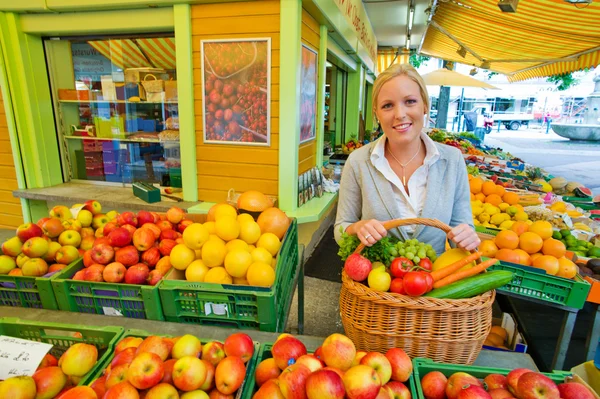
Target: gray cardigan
column 366, row 194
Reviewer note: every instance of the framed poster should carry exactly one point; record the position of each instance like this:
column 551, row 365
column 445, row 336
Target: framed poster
column 236, row 95
column 308, row 95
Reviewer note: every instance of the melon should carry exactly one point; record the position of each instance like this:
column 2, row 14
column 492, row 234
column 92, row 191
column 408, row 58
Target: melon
column 451, row 256
column 558, row 183
column 273, row 220
column 572, row 185
column 253, row 201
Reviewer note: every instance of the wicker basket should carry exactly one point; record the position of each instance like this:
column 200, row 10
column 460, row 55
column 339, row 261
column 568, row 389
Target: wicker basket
column 153, row 86
column 445, row 330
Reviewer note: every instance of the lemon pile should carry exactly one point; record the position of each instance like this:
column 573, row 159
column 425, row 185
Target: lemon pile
column 231, row 249
column 498, row 217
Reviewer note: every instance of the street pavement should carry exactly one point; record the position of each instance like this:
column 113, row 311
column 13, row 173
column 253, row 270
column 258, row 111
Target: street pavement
column 574, row 160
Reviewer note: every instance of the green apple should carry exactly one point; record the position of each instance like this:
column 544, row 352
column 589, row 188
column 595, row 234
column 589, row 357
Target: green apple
column 6, row 264
column 21, row 259
column 53, row 247
column 99, row 220
column 35, row 267
column 112, row 215
column 70, row 237
column 35, row 247
column 61, row 212
column 85, row 217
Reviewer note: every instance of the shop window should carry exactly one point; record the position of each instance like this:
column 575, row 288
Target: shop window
column 116, row 108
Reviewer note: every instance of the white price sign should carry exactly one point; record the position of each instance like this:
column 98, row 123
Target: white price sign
column 20, row 356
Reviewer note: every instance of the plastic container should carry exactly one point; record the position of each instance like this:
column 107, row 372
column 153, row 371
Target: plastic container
column 31, row 292
column 62, row 336
column 422, row 366
column 535, row 283
column 113, row 299
column 237, row 306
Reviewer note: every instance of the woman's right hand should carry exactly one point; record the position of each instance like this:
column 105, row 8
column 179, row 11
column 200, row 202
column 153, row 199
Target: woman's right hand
column 368, row 231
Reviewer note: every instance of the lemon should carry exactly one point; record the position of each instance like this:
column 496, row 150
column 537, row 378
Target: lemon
column 196, row 271
column 218, row 275
column 497, row 219
column 477, row 203
column 244, row 217
column 236, row 244
column 521, row 216
column 484, row 217
column 195, row 235
column 512, row 210
column 491, row 210
column 210, row 227
column 240, row 281
column 213, row 253
column 225, row 211
column 477, row 211
column 249, row 231
column 260, row 274
column 507, row 224
column 270, row 242
column 182, row 256
column 476, row 222
column 237, row 262
column 503, row 206
column 261, row 255
column 227, row 228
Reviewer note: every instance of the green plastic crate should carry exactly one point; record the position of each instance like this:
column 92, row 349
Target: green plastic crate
column 487, row 230
column 130, row 300
column 265, row 353
column 228, row 305
column 422, row 366
column 250, row 365
column 62, row 336
column 535, row 283
column 31, row 292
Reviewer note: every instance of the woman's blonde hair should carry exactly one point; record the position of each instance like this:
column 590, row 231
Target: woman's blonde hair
column 400, row 70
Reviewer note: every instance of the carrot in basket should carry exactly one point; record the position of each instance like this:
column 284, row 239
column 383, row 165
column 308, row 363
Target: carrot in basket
column 451, row 268
column 464, row 273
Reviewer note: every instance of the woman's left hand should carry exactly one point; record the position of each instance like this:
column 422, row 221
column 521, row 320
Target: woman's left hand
column 465, row 237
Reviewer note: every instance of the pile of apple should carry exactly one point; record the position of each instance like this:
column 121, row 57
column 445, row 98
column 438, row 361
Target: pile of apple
column 134, row 248
column 53, row 242
column 54, row 378
column 168, row 368
column 336, row 371
column 520, row 383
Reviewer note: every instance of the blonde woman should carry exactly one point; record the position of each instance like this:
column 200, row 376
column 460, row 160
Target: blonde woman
column 404, row 174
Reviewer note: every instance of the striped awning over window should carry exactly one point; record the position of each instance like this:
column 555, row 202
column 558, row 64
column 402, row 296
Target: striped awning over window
column 387, row 58
column 136, row 53
column 542, row 38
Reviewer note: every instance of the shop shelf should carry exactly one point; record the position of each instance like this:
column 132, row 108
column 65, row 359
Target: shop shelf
column 422, row 366
column 535, row 283
column 62, row 336
column 235, row 306
column 129, row 300
column 250, row 365
column 31, row 292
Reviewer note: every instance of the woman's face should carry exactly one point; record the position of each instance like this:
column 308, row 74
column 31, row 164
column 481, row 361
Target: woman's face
column 400, row 110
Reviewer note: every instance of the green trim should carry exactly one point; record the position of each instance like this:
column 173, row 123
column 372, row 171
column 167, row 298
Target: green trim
column 339, row 104
column 55, row 6
column 314, row 209
column 353, row 102
column 369, row 108
column 322, row 73
column 340, row 55
column 289, row 108
column 38, row 209
column 185, row 92
column 202, row 207
column 101, row 22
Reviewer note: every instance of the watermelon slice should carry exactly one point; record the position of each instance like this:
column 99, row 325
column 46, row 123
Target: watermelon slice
column 583, row 192
column 596, row 200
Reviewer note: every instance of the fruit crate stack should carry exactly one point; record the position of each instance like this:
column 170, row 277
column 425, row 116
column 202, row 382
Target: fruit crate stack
column 236, row 306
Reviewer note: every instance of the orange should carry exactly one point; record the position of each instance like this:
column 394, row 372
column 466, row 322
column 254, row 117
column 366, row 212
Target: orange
column 489, row 187
column 237, row 262
column 260, row 274
column 548, row 263
column 219, row 210
column 500, row 190
column 475, row 185
column 535, row 256
column 542, row 228
column 472, row 196
column 213, row 253
column 510, row 198
column 227, row 228
column 519, row 227
column 493, row 199
column 554, row 248
column 181, row 256
column 566, row 268
column 525, row 259
column 530, row 242
column 508, row 255
column 270, row 242
column 480, row 197
column 488, row 248
column 217, row 275
column 507, row 239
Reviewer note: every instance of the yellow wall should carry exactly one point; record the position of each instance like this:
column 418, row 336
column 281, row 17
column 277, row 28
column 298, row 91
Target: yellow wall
column 11, row 215
column 221, row 167
column 310, row 37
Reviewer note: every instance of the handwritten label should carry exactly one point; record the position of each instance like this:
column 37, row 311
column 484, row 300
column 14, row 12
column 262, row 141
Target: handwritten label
column 108, row 311
column 220, row 309
column 20, row 356
column 75, row 211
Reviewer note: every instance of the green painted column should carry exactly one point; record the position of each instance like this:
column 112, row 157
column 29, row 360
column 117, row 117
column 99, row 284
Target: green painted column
column 339, row 107
column 322, row 73
column 185, row 93
column 354, row 99
column 289, row 109
column 369, row 108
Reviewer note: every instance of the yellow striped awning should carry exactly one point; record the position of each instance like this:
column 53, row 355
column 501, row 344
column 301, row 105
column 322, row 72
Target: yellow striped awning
column 160, row 51
column 387, row 58
column 137, row 53
column 542, row 38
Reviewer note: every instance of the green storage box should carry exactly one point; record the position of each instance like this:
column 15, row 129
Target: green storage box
column 146, row 192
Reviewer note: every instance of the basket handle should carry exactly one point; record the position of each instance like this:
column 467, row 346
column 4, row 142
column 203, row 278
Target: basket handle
column 149, row 74
column 394, row 223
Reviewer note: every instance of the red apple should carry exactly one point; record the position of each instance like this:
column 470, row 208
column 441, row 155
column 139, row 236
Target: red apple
column 35, row 247
column 53, row 227
column 21, row 387
column 359, row 355
column 473, row 392
column 162, row 391
column 269, row 390
column 128, row 255
column 117, row 374
column 433, row 385
column 143, row 239
column 187, row 345
column 166, row 246
column 168, row 366
column 119, row 237
column 266, row 370
column 87, row 232
column 35, row 267
column 361, row 382
column 336, row 370
column 457, row 381
column 164, row 225
column 127, row 218
column 287, row 348
column 512, row 379
column 380, row 364
column 29, row 230
column 156, row 345
column 574, row 390
column 213, row 352
column 230, row 374
column 338, row 351
column 102, row 253
column 131, row 229
column 209, row 382
column 168, row 234
column 145, row 371
column 48, row 361
column 126, row 356
column 163, row 265
column 114, row 272
column 189, row 373
column 94, row 273
column 81, row 392
column 137, row 274
column 99, row 386
column 536, row 386
column 357, row 267
column 183, row 224
column 499, row 393
column 493, row 381
column 144, row 217
column 79, row 275
column 49, row 382
column 12, row 247
column 79, row 359
column 87, row 243
column 109, row 228
column 153, row 228
column 241, row 345
column 175, row 215
column 123, row 390
column 42, row 221
column 151, row 256
column 154, row 277
column 325, row 384
column 92, row 206
column 128, row 342
column 67, row 254
column 401, row 364
column 400, row 391
column 292, row 381
column 311, row 362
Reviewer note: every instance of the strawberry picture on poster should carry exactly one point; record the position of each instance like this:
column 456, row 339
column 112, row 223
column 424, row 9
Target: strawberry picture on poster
column 308, row 95
column 236, row 79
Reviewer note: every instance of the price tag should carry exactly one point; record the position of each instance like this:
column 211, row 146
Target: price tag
column 108, row 311
column 20, row 356
column 220, row 309
column 75, row 211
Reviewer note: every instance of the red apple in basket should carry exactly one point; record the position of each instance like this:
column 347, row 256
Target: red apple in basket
column 189, row 373
column 168, row 366
column 213, row 352
column 128, row 342
column 169, row 234
column 473, row 392
column 78, row 360
column 399, row 390
column 209, row 382
column 401, row 364
column 127, row 218
column 229, row 374
column 380, row 364
column 102, row 253
column 292, row 381
column 114, row 272
column 493, row 381
column 164, row 225
column 109, row 228
column 241, row 345
column 536, row 386
column 52, row 227
column 574, row 390
column 81, row 392
column 117, row 375
column 269, row 390
column 175, row 215
column 119, row 237
column 154, row 277
column 49, row 381
column 92, row 206
column 166, row 246
column 338, row 351
column 128, row 256
column 156, row 345
column 499, row 393
column 311, row 362
column 126, row 356
column 457, row 381
column 162, row 391
column 153, row 228
column 123, row 390
column 285, row 349
column 143, row 239
column 357, row 267
column 266, row 370
column 130, row 228
column 183, row 224
column 94, row 273
column 361, row 382
column 99, row 386
column 433, row 385
column 325, row 384
column 512, row 379
column 137, row 274
column 145, row 371
column 29, row 230
column 151, row 256
column 144, row 217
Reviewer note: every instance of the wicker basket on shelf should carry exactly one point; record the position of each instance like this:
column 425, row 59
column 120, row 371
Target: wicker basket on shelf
column 445, row 330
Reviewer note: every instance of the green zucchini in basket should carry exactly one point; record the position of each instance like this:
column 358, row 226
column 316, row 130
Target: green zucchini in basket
column 472, row 286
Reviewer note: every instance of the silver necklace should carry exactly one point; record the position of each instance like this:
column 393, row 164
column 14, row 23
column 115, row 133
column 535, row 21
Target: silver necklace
column 406, row 164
